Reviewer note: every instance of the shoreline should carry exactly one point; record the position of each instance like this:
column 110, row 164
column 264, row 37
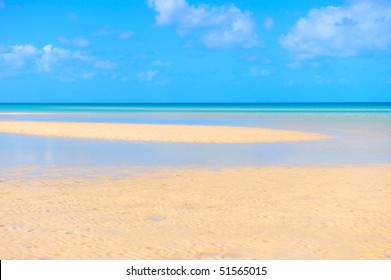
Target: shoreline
column 157, row 132
column 231, row 213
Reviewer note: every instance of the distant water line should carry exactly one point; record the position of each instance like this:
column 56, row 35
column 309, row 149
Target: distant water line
column 366, row 108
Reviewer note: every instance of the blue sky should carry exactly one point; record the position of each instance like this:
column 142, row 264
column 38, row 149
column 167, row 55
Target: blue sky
column 195, row 51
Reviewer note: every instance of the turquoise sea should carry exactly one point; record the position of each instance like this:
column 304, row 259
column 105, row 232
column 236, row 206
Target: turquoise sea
column 374, row 107
column 361, row 134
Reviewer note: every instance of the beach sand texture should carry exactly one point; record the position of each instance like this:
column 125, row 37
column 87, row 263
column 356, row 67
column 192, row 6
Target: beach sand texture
column 234, row 213
column 157, row 132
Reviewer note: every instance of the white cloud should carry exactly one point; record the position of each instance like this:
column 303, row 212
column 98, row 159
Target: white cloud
column 125, row 35
column 148, row 75
column 161, row 63
column 87, row 75
column 17, row 56
column 360, row 27
column 77, row 42
column 104, row 64
column 268, row 24
column 50, row 56
column 256, row 58
column 319, row 79
column 83, row 57
column 81, row 42
column 105, row 31
column 214, row 26
column 19, row 59
column 66, row 79
column 255, row 71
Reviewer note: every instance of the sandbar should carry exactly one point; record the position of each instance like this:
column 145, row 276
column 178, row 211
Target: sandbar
column 233, row 213
column 157, row 132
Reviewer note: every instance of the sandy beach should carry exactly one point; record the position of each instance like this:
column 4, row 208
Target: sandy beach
column 233, row 213
column 156, row 132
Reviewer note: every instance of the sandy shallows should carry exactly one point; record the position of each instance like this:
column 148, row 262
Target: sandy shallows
column 238, row 213
column 152, row 132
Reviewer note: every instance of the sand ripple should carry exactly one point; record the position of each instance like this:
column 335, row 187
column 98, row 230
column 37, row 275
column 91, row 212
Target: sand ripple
column 237, row 213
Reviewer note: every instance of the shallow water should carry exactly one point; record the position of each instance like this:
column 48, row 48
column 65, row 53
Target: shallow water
column 357, row 138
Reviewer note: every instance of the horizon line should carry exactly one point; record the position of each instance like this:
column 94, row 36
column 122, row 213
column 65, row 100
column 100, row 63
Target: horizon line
column 188, row 103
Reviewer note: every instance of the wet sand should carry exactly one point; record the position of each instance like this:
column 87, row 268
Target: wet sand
column 233, row 213
column 157, row 132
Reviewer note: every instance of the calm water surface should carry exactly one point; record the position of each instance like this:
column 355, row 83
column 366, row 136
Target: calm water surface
column 360, row 135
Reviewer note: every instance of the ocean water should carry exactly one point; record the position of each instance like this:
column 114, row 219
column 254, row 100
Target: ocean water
column 374, row 107
column 361, row 134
